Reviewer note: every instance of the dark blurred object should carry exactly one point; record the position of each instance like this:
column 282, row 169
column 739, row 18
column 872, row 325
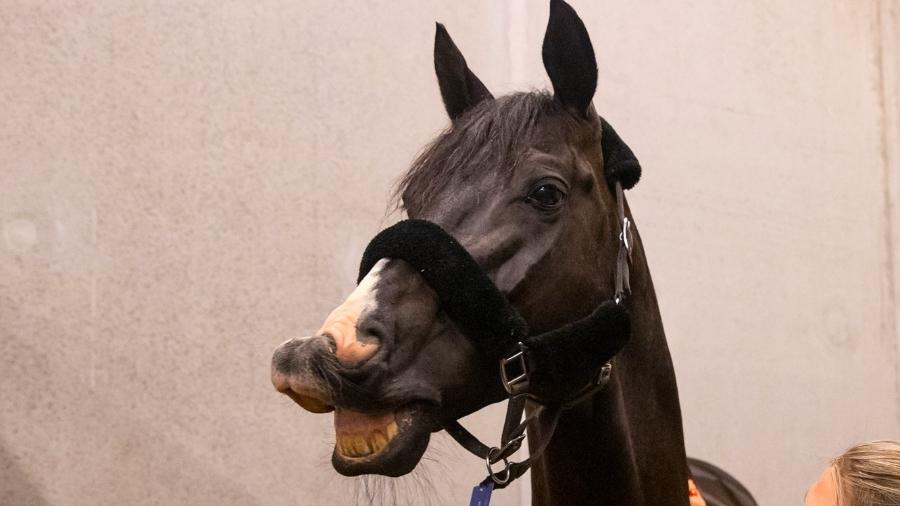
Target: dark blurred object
column 717, row 487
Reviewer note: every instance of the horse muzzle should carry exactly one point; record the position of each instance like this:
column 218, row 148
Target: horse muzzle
column 294, row 372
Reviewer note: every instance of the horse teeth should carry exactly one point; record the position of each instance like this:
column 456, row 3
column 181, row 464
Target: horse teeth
column 343, row 445
column 360, row 446
column 349, row 446
column 392, row 430
column 365, row 444
column 378, row 441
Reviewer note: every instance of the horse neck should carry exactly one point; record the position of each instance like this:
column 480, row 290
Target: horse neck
column 625, row 445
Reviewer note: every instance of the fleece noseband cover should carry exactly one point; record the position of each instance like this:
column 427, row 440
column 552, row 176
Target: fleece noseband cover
column 467, row 295
column 559, row 361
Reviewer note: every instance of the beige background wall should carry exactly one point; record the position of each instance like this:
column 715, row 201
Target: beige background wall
column 183, row 185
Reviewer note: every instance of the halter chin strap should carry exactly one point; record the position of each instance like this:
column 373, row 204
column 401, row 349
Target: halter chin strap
column 553, row 371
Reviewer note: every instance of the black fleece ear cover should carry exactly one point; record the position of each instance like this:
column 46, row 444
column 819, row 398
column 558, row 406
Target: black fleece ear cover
column 619, row 162
column 559, row 361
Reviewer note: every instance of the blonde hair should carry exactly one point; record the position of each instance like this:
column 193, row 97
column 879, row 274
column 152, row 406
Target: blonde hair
column 869, row 474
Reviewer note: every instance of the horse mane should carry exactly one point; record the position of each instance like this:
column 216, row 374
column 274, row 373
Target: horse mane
column 490, row 136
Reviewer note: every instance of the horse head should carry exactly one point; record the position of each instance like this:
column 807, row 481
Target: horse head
column 520, row 181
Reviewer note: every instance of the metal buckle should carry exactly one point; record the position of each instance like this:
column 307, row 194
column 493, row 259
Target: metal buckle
column 625, row 235
column 505, row 472
column 514, row 381
column 511, row 446
column 605, row 373
column 592, row 388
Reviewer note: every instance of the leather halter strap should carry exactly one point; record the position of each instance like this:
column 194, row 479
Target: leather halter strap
column 546, row 416
column 626, row 244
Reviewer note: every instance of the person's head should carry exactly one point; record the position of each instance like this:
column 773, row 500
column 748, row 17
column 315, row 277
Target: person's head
column 865, row 475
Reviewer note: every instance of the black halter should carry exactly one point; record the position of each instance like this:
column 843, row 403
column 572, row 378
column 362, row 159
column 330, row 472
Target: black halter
column 551, row 371
column 609, row 322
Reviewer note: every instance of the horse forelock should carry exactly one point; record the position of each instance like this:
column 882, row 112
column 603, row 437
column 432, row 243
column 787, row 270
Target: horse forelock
column 486, row 140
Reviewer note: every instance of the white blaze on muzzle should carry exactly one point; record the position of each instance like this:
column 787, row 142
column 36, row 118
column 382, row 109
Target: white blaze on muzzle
column 341, row 324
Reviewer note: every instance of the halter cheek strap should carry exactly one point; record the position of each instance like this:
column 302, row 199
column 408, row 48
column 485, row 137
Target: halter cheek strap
column 626, row 244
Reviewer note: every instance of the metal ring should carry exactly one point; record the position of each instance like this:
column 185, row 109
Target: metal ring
column 495, row 477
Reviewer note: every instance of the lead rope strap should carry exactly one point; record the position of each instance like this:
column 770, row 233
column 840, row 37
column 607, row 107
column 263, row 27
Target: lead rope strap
column 547, row 419
column 623, row 275
column 510, row 439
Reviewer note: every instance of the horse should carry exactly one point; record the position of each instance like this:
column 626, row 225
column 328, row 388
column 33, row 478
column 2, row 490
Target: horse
column 521, row 182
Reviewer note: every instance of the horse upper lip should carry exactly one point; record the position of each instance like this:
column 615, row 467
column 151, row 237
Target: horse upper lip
column 319, row 389
column 318, row 400
column 310, row 399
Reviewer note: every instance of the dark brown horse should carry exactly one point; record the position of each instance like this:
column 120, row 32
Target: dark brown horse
column 519, row 181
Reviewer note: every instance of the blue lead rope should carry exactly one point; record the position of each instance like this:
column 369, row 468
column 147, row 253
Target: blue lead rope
column 481, row 493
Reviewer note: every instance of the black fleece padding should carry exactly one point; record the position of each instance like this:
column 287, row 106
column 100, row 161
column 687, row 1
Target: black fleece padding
column 564, row 360
column 467, row 295
column 619, row 162
column 560, row 362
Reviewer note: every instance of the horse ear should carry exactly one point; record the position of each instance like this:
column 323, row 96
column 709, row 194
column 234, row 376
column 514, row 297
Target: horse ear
column 460, row 88
column 619, row 162
column 569, row 58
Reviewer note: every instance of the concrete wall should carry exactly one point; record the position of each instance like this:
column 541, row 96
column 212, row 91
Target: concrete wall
column 183, row 185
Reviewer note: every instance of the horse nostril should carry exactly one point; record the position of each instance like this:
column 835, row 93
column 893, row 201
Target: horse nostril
column 373, row 333
column 355, row 345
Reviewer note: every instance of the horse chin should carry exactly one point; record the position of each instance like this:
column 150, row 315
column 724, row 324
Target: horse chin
column 387, row 443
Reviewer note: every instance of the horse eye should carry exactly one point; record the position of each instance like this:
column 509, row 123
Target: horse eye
column 546, row 197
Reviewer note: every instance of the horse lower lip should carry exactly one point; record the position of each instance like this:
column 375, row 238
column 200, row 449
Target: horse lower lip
column 406, row 435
